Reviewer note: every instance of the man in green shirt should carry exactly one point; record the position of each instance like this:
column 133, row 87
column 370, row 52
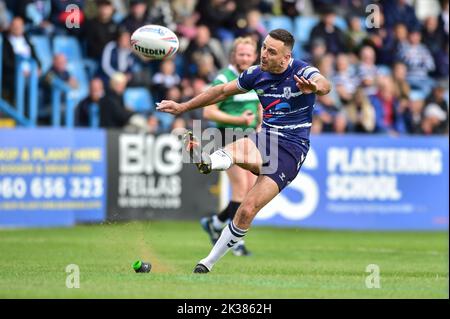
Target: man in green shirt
column 239, row 114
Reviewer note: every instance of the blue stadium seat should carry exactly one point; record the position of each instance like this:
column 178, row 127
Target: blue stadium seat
column 341, row 23
column 139, row 99
column 299, row 52
column 363, row 23
column 69, row 46
column 179, row 65
column 78, row 72
column 43, row 50
column 384, row 69
column 118, row 17
column 303, row 26
column 165, row 120
column 278, row 22
column 415, row 95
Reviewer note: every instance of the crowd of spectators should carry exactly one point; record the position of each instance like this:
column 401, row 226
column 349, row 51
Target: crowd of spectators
column 389, row 67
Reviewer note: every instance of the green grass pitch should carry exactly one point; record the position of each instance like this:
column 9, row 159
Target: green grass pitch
column 286, row 263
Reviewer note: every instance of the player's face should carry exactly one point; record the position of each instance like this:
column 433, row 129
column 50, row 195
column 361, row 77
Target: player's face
column 244, row 56
column 274, row 55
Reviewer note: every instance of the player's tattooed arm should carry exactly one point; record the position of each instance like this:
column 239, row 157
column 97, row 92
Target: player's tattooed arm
column 212, row 95
column 318, row 85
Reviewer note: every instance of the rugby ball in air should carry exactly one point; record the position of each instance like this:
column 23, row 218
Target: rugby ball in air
column 154, row 42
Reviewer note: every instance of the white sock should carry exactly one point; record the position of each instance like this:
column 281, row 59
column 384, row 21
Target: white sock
column 230, row 236
column 217, row 224
column 221, row 160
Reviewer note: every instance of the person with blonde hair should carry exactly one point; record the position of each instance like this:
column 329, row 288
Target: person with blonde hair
column 360, row 113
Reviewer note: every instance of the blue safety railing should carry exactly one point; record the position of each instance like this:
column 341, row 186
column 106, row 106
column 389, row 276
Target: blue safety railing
column 25, row 107
column 94, row 116
column 61, row 90
column 22, row 83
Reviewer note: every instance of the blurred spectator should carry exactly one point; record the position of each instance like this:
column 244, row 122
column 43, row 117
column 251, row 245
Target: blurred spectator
column 389, row 117
column 4, row 17
column 37, row 14
column 414, row 116
column 187, row 27
column 442, row 60
column 206, row 70
column 433, row 37
column 252, row 26
column 360, row 113
column 435, row 120
column 344, row 80
column 444, row 18
column 246, row 6
column 191, row 89
column 386, row 42
column 16, row 45
column 387, row 49
column 367, row 70
column 403, row 90
column 162, row 14
column 113, row 113
column 291, row 8
column 241, row 12
column 327, row 117
column 326, row 67
column 178, row 123
column 419, row 61
column 118, row 57
column 400, row 36
column 153, row 125
column 355, row 7
column 183, row 9
column 399, row 11
column 322, row 5
column 437, row 98
column 137, row 17
column 217, row 15
column 100, row 30
column 266, row 6
column 121, row 8
column 318, row 50
column 60, row 16
column 165, row 79
column 56, row 76
column 59, row 70
column 333, row 36
column 82, row 112
column 355, row 34
column 203, row 43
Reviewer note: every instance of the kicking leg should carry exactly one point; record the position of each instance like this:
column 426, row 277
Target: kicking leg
column 243, row 153
column 213, row 225
column 239, row 188
column 240, row 249
column 264, row 191
column 241, row 182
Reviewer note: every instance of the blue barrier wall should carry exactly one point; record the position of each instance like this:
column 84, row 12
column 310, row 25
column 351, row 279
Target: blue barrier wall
column 57, row 177
column 367, row 182
column 52, row 177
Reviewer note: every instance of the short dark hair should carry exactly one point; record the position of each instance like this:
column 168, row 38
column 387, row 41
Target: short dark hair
column 284, row 36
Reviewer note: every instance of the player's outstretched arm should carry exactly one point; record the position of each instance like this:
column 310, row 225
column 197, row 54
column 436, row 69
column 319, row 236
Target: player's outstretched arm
column 212, row 95
column 213, row 113
column 318, row 85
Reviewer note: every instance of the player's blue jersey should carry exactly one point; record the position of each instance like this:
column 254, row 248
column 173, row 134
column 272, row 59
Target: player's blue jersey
column 286, row 108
